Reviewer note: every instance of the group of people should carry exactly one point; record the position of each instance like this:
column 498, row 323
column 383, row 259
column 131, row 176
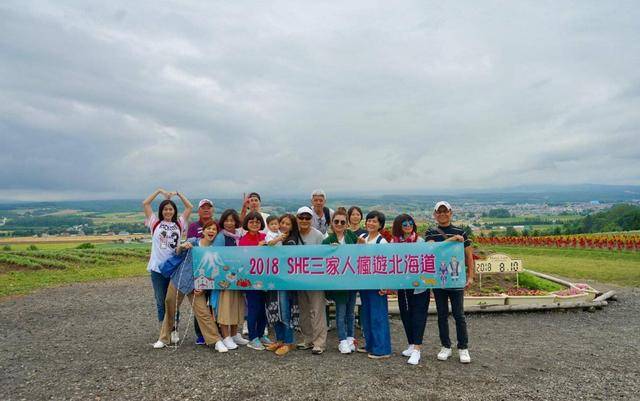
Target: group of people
column 219, row 315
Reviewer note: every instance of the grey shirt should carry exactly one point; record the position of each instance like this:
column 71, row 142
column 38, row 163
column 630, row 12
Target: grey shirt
column 313, row 237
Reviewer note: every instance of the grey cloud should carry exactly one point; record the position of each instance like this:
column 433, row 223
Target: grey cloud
column 122, row 97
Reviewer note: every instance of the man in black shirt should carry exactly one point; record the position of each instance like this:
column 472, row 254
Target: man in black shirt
column 445, row 231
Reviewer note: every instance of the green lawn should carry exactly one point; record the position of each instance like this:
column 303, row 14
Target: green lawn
column 22, row 282
column 22, row 270
column 622, row 268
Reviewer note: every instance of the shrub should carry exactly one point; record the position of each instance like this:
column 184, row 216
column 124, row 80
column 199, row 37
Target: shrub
column 6, row 248
column 86, row 245
column 32, row 248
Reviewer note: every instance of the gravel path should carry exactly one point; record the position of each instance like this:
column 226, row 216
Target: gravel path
column 92, row 341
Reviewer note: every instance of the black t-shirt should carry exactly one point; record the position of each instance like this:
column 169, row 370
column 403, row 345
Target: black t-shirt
column 434, row 235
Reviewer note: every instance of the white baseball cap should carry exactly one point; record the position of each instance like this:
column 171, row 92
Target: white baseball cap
column 304, row 209
column 204, row 202
column 442, row 203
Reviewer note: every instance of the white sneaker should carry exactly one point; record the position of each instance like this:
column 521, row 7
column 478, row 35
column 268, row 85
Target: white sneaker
column 245, row 328
column 159, row 344
column 344, row 347
column 444, row 354
column 229, row 343
column 175, row 338
column 352, row 345
column 220, row 347
column 266, row 332
column 408, row 351
column 415, row 357
column 238, row 339
column 464, row 355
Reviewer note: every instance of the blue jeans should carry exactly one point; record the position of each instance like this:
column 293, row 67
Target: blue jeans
column 160, row 284
column 375, row 320
column 284, row 332
column 256, row 313
column 345, row 317
column 413, row 312
column 457, row 310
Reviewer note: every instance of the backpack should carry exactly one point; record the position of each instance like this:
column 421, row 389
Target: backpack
column 327, row 215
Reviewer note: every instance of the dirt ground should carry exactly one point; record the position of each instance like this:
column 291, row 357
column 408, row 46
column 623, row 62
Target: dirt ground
column 93, row 341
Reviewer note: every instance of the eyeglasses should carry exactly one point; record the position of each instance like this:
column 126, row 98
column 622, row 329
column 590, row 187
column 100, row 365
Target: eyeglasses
column 339, row 222
column 304, row 217
column 407, row 223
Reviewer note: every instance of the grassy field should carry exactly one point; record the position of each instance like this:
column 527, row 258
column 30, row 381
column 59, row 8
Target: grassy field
column 23, row 270
column 622, row 268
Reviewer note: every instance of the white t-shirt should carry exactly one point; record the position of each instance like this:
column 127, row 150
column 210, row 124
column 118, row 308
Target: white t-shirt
column 164, row 240
column 374, row 240
column 271, row 235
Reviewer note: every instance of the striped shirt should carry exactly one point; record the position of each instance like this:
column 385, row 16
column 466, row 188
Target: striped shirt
column 433, row 234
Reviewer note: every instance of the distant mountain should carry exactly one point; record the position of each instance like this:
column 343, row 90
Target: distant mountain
column 521, row 194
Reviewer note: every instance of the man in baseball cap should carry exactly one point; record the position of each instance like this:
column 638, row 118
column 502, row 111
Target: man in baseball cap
column 445, row 231
column 205, row 214
column 313, row 323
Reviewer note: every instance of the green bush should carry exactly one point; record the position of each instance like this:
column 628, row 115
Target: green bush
column 6, row 248
column 86, row 245
column 32, row 248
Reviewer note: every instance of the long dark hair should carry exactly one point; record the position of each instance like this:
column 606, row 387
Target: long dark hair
column 175, row 210
column 397, row 225
column 294, row 233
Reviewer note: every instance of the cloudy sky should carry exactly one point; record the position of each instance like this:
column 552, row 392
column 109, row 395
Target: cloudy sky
column 114, row 99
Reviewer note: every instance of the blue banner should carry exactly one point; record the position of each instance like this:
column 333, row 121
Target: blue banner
column 330, row 267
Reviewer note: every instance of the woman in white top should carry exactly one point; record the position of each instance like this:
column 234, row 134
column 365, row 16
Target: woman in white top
column 166, row 229
column 375, row 310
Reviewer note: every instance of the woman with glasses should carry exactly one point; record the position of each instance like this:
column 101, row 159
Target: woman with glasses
column 413, row 303
column 345, row 300
column 256, row 299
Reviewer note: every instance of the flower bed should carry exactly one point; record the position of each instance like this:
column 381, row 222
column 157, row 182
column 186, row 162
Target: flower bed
column 573, row 294
column 524, row 296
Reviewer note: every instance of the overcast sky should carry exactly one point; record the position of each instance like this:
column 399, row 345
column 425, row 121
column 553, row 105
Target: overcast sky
column 113, row 99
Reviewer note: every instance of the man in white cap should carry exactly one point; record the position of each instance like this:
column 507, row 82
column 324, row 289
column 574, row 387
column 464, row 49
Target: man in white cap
column 313, row 322
column 445, row 231
column 205, row 215
column 322, row 215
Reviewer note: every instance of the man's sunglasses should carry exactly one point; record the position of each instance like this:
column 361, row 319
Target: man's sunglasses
column 304, row 217
column 339, row 222
column 407, row 223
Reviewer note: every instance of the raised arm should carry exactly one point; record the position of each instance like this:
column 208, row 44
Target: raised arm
column 146, row 204
column 244, row 207
column 188, row 207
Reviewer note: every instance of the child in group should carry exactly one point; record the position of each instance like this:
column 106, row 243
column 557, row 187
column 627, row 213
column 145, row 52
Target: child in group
column 274, row 236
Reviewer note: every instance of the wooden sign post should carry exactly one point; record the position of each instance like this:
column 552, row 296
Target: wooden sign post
column 498, row 263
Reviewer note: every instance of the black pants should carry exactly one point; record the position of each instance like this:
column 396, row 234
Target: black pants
column 413, row 312
column 456, row 296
